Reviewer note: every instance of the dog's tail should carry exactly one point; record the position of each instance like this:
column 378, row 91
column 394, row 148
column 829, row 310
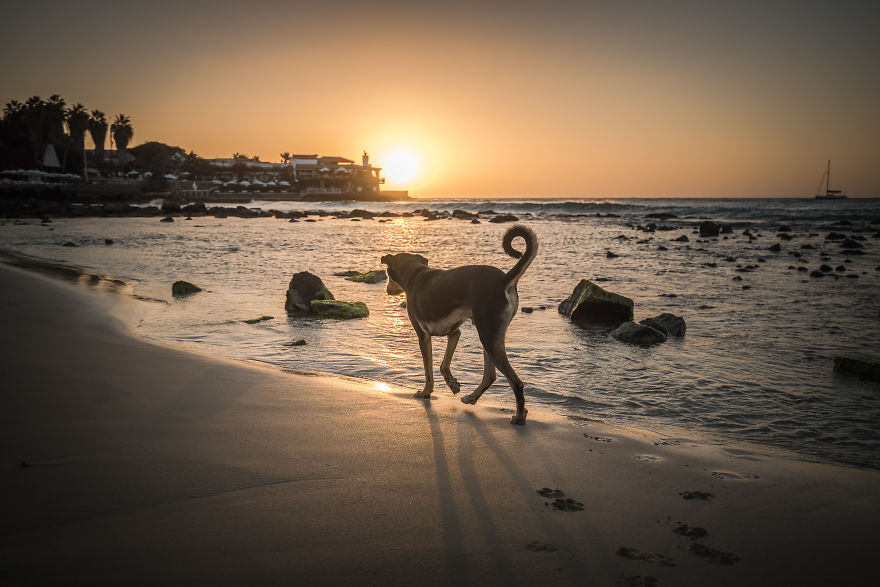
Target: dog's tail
column 525, row 259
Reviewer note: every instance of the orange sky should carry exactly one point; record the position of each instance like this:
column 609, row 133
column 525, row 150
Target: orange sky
column 503, row 99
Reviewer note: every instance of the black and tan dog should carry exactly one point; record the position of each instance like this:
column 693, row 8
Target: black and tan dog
column 439, row 301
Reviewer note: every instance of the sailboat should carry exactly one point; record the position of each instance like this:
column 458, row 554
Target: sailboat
column 829, row 193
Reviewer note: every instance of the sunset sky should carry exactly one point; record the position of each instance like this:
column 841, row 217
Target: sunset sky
column 569, row 99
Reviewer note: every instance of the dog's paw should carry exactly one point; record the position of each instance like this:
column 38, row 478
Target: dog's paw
column 469, row 399
column 519, row 419
column 454, row 385
column 424, row 394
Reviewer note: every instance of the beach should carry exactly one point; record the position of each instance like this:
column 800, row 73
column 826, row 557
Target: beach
column 129, row 462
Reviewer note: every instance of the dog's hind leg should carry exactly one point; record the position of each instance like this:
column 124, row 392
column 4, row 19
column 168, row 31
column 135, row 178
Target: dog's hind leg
column 488, row 379
column 427, row 360
column 499, row 356
column 451, row 343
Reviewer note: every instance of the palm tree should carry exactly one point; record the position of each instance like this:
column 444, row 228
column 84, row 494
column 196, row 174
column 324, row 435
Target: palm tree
column 56, row 111
column 13, row 109
column 34, row 114
column 98, row 132
column 285, row 156
column 77, row 125
column 121, row 131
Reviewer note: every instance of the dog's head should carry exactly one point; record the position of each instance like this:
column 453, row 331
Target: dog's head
column 400, row 267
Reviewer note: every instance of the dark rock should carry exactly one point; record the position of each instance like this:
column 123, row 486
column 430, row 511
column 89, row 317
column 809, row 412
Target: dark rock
column 503, row 218
column 865, row 369
column 170, row 205
column 611, row 255
column 783, row 228
column 682, row 239
column 108, row 241
column 260, row 319
column 668, row 324
column 835, row 236
column 708, row 228
column 184, row 288
column 816, row 273
column 662, row 248
column 638, row 334
column 167, row 219
column 851, row 244
column 590, row 303
column 70, row 244
column 463, row 215
column 660, row 215
column 775, row 247
column 785, row 236
column 475, row 221
column 305, row 287
column 802, row 269
column 825, row 268
column 300, row 342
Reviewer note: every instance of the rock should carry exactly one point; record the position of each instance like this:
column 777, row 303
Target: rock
column 775, row 247
column 526, row 310
column 108, row 241
column 503, row 218
column 708, row 228
column 374, row 276
column 835, row 236
column 70, row 244
column 611, row 255
column 662, row 248
column 337, row 309
column 300, row 342
column 475, row 221
column 463, row 215
column 825, row 268
column 816, row 273
column 637, row 334
column 682, row 239
column 167, row 219
column 869, row 370
column 851, row 244
column 668, row 324
column 260, row 319
column 660, row 215
column 305, row 287
column 783, row 228
column 590, row 303
column 184, row 288
column 170, row 205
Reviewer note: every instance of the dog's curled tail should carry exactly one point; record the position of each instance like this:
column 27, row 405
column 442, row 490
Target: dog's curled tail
column 525, row 259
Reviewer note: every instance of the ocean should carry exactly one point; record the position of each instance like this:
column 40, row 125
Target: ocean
column 755, row 365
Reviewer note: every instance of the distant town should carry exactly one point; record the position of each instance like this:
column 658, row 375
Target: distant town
column 42, row 144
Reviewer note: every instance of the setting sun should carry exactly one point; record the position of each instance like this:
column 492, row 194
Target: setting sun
column 401, row 167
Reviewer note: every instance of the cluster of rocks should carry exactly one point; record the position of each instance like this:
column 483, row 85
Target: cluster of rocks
column 308, row 296
column 591, row 304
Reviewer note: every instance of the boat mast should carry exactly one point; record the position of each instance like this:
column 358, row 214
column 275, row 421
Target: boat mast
column 828, row 177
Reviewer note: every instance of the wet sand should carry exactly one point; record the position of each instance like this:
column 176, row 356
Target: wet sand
column 125, row 462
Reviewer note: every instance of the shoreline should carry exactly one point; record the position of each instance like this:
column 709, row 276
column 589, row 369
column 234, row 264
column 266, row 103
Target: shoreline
column 131, row 462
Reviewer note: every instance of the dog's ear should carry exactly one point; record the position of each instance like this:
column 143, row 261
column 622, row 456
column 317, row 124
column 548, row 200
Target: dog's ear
column 385, row 259
column 422, row 259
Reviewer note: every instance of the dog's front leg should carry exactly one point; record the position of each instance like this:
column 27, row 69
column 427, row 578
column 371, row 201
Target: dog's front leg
column 425, row 347
column 451, row 343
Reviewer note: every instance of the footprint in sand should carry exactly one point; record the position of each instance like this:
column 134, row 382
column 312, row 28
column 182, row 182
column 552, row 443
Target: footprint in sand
column 701, row 495
column 647, row 458
column 536, row 546
column 692, row 532
column 637, row 555
column 727, row 475
column 713, row 555
column 560, row 502
column 597, row 438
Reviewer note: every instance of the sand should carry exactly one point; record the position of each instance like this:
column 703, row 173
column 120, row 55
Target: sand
column 128, row 463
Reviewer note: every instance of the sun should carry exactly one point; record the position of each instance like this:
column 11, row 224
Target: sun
column 402, row 166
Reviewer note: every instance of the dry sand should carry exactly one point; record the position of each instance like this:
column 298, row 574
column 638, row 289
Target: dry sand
column 128, row 463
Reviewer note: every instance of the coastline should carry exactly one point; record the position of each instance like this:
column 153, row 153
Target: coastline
column 130, row 462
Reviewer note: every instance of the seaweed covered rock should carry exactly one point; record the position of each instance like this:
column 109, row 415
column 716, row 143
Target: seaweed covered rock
column 668, row 324
column 709, row 228
column 637, row 334
column 338, row 309
column 184, row 288
column 375, row 276
column 590, row 303
column 304, row 288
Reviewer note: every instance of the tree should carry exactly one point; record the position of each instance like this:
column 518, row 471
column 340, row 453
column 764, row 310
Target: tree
column 77, row 125
column 35, row 123
column 98, row 132
column 56, row 113
column 285, row 156
column 122, row 132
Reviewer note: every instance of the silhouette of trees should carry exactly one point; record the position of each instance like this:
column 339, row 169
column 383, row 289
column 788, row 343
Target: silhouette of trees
column 122, row 133
column 98, row 132
column 77, row 125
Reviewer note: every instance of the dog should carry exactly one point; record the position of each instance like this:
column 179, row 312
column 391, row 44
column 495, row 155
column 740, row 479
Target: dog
column 438, row 302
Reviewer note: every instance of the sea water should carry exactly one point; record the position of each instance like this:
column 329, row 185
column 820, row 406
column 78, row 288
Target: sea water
column 755, row 364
